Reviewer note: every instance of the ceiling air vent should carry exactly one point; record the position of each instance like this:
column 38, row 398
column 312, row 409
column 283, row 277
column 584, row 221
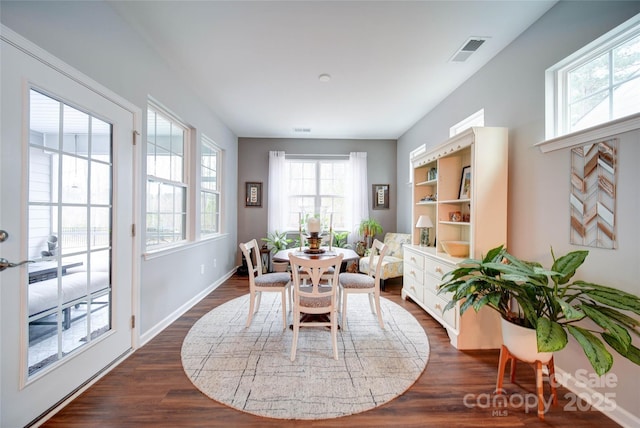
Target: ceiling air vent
column 470, row 46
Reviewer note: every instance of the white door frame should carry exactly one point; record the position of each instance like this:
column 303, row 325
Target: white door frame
column 10, row 37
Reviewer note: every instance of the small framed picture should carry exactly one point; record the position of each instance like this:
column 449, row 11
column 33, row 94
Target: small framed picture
column 465, row 183
column 380, row 196
column 253, row 197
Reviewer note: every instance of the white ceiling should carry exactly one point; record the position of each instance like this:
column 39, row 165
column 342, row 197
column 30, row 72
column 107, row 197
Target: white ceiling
column 257, row 63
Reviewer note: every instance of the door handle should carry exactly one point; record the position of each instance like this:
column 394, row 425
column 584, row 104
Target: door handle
column 4, row 263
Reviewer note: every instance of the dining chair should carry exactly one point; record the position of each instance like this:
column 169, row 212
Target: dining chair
column 315, row 297
column 260, row 282
column 368, row 282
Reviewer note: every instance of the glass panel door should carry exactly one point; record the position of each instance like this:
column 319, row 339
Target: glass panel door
column 67, row 182
column 69, row 226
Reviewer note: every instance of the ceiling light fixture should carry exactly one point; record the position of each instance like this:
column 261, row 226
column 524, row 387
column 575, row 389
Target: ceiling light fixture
column 324, row 77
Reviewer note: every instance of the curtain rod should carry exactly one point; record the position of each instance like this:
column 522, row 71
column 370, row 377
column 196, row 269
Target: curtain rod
column 315, row 155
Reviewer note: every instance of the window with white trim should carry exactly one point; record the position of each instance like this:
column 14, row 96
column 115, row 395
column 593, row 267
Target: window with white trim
column 414, row 153
column 167, row 188
column 210, row 187
column 317, row 186
column 597, row 84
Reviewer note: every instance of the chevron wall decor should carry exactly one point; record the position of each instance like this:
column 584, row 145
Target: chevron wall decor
column 593, row 194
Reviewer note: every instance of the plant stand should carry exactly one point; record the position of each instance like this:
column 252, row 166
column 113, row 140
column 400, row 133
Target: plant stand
column 506, row 356
column 265, row 255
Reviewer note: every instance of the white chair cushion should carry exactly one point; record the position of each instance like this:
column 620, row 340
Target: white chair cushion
column 356, row 280
column 276, row 279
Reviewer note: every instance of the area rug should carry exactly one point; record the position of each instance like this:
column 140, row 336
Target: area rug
column 249, row 368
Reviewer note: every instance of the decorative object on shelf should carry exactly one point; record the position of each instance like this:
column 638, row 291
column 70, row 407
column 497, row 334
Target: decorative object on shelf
column 432, row 174
column 429, row 198
column 455, row 216
column 593, row 194
column 465, row 183
column 424, row 223
column 530, row 295
column 253, row 194
column 380, row 196
column 456, row 248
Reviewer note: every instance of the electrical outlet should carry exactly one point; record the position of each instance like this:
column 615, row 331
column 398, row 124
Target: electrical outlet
column 215, row 262
column 201, row 269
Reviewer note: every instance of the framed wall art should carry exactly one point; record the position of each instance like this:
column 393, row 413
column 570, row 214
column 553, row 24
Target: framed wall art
column 380, row 196
column 253, row 194
column 465, row 183
column 593, row 194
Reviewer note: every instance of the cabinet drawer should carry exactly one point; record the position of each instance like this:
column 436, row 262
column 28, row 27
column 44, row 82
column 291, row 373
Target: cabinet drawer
column 414, row 273
column 432, row 285
column 437, row 268
column 414, row 259
column 437, row 305
column 414, row 288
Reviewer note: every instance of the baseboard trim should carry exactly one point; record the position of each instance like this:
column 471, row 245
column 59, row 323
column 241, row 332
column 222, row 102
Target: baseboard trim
column 597, row 400
column 158, row 328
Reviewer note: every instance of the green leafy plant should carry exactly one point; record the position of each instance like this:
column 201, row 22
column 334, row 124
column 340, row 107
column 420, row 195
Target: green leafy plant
column 277, row 241
column 340, row 239
column 527, row 294
column 368, row 229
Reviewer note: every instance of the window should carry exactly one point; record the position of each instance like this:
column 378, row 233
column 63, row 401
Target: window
column 414, row 153
column 166, row 215
column 210, row 160
column 476, row 119
column 317, row 186
column 597, row 84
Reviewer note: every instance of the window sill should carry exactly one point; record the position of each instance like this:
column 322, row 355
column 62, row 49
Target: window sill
column 605, row 130
column 161, row 252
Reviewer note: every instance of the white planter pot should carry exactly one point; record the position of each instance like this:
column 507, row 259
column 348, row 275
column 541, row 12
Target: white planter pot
column 280, row 266
column 522, row 344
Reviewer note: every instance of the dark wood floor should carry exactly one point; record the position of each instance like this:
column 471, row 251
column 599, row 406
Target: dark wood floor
column 151, row 389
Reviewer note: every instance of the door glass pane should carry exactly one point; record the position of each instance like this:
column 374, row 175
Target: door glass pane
column 69, row 290
column 74, row 179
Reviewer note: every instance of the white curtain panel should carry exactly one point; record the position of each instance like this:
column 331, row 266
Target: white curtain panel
column 278, row 202
column 357, row 201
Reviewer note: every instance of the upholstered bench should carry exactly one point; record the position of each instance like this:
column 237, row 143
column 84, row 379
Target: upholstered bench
column 43, row 295
column 392, row 262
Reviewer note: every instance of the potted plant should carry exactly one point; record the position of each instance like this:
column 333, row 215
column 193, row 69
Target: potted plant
column 369, row 227
column 527, row 294
column 340, row 239
column 277, row 241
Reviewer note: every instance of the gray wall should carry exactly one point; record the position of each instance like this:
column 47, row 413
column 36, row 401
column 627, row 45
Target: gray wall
column 511, row 90
column 92, row 38
column 253, row 165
